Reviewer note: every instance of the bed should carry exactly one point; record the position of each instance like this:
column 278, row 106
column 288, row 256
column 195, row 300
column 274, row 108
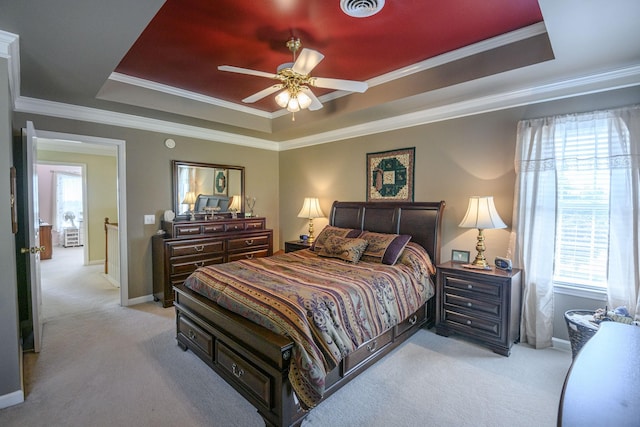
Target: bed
column 262, row 364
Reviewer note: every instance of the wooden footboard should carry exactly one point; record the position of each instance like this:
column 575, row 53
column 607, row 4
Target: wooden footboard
column 255, row 361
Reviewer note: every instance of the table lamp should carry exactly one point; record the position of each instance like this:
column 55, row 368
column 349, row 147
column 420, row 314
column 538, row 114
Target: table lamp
column 311, row 209
column 190, row 200
column 481, row 214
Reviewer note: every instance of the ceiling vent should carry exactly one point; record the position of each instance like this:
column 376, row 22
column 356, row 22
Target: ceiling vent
column 361, row 8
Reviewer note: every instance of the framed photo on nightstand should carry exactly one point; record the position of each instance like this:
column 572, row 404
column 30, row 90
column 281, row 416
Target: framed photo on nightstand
column 460, row 256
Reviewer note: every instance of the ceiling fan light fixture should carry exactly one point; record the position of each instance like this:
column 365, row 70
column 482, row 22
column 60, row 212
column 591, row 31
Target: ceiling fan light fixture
column 361, row 8
column 294, row 105
column 282, row 99
column 303, row 100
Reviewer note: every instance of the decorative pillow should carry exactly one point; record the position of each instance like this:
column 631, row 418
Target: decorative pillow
column 343, row 248
column 330, row 230
column 383, row 248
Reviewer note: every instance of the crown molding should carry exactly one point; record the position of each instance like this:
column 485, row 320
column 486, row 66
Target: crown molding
column 94, row 115
column 10, row 49
column 583, row 85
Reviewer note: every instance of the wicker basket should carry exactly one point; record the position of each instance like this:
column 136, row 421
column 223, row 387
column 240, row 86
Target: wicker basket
column 580, row 329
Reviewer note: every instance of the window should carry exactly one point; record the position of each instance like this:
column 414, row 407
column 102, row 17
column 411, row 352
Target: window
column 582, row 225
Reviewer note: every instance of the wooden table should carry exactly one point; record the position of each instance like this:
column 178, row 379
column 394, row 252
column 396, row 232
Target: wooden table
column 603, row 383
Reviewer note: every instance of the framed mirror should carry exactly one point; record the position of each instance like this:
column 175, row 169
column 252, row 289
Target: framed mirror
column 201, row 189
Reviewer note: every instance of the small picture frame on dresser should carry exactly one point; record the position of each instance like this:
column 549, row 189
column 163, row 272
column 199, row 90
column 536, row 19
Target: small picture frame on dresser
column 460, row 256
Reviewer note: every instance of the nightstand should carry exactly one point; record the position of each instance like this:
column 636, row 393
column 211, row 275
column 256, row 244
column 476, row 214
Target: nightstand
column 480, row 304
column 296, row 245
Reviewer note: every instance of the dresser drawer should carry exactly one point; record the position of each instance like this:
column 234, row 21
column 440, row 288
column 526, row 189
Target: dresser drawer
column 254, row 225
column 190, row 264
column 248, row 242
column 367, row 350
column 470, row 286
column 470, row 323
column 260, row 253
column 214, row 228
column 195, row 247
column 235, row 226
column 187, row 230
column 195, row 335
column 492, row 307
column 250, row 377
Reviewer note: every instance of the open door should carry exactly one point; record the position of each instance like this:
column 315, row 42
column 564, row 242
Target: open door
column 28, row 240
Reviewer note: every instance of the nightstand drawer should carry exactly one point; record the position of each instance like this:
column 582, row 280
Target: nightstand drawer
column 478, row 287
column 489, row 307
column 462, row 321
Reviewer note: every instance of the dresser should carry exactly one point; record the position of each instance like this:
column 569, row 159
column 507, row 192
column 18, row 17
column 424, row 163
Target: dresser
column 46, row 241
column 187, row 245
column 480, row 304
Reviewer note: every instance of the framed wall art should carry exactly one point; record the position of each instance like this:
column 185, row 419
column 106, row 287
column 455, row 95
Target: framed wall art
column 390, row 175
column 220, row 187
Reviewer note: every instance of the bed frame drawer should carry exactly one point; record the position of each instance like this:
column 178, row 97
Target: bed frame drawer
column 417, row 318
column 195, row 335
column 244, row 373
column 367, row 350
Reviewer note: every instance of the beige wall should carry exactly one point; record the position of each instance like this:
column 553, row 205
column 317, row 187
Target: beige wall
column 102, row 180
column 149, row 181
column 455, row 159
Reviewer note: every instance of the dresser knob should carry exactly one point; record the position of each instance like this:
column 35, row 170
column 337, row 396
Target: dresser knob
column 199, row 248
column 249, row 256
column 248, row 242
column 199, row 264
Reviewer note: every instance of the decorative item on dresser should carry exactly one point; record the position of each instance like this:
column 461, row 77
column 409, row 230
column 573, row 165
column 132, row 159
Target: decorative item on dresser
column 481, row 304
column 186, row 245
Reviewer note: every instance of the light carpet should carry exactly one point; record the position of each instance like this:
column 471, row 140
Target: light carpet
column 120, row 366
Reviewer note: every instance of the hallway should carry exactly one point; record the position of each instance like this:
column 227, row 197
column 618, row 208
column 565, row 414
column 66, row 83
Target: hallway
column 69, row 287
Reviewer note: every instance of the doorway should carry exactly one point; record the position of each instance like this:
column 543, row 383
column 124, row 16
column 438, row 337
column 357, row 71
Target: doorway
column 76, row 269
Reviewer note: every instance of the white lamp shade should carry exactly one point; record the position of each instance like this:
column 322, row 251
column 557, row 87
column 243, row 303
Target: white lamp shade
column 311, row 208
column 482, row 214
column 236, row 203
column 282, row 99
column 189, row 198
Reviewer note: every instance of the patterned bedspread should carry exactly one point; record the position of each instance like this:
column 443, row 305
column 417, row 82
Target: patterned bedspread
column 327, row 307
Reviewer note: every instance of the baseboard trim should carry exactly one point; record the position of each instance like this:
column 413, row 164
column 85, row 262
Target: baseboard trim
column 11, row 399
column 140, row 300
column 111, row 280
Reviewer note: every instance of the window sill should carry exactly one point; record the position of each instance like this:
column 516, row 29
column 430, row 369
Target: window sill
column 594, row 294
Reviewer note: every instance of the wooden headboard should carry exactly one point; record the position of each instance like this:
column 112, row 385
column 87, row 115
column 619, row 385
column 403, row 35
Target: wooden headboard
column 422, row 220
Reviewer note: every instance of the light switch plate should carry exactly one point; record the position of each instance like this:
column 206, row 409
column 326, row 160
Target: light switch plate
column 149, row 219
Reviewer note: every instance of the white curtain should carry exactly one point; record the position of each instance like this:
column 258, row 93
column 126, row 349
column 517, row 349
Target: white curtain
column 67, row 197
column 540, row 153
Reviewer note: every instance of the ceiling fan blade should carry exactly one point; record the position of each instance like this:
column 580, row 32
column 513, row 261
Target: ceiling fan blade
column 264, row 92
column 315, row 102
column 337, row 84
column 307, row 61
column 233, row 69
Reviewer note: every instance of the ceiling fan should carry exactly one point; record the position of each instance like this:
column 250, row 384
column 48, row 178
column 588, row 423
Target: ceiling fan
column 294, row 78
